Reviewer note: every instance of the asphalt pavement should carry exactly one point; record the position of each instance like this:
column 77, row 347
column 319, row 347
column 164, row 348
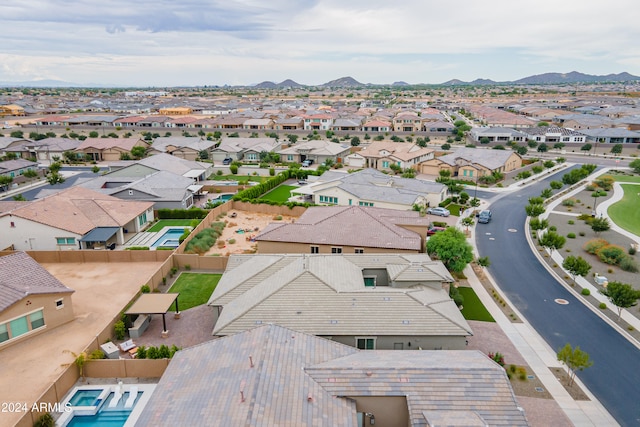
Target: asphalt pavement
column 614, row 378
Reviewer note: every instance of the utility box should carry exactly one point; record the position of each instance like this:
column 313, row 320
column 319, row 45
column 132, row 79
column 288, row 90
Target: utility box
column 110, row 350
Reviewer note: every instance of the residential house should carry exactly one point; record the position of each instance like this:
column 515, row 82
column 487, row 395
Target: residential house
column 584, row 121
column 11, row 110
column 472, row 163
column 258, row 124
column 198, row 171
column 274, row 376
column 612, row 136
column 98, row 121
column 289, row 123
column 382, row 155
column 318, row 122
column 65, row 220
column 32, row 300
column 355, row 160
column 439, row 127
column 347, row 229
column 7, row 142
column 45, row 150
column 17, row 167
column 176, row 111
column 108, row 149
column 155, row 122
column 166, row 190
column 230, row 122
column 371, row 187
column 317, row 150
column 501, row 135
column 411, row 290
column 184, row 122
column 188, row 148
column 352, row 125
column 127, row 122
column 552, row 135
column 376, row 126
column 407, row 121
column 245, row 149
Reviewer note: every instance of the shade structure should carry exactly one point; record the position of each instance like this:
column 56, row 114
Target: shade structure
column 154, row 304
column 100, row 234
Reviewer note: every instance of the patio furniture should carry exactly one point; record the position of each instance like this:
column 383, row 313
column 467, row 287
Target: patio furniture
column 133, row 393
column 129, row 347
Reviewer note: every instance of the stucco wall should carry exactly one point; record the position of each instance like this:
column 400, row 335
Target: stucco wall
column 267, row 247
column 28, row 235
column 388, row 411
column 417, row 342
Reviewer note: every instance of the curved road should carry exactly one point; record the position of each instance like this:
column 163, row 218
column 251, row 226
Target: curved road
column 614, row 377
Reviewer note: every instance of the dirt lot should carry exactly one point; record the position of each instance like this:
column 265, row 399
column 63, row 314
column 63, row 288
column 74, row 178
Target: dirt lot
column 251, row 224
column 102, row 290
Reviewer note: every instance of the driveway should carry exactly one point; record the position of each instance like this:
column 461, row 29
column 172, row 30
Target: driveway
column 613, row 379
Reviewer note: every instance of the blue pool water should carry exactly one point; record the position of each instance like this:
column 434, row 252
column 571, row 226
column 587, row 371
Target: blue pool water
column 105, row 417
column 85, row 397
column 224, row 197
column 169, row 238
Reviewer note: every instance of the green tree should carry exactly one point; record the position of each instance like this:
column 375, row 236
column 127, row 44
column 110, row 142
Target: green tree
column 556, row 185
column 598, row 225
column 5, row 180
column 484, row 261
column 575, row 359
column 635, row 165
column 355, row 141
column 622, row 295
column 543, row 124
column 484, row 140
column 595, row 195
column 543, row 148
column 16, row 134
column 616, row 149
column 538, row 224
column 467, row 222
column 534, row 210
column 138, row 152
column 552, row 240
column 233, row 168
column 19, row 198
column 80, row 360
column 546, row 193
column 522, row 150
column 558, row 146
column 586, row 147
column 446, row 146
column 292, row 138
column 576, row 266
column 93, row 134
column 451, row 247
column 203, row 154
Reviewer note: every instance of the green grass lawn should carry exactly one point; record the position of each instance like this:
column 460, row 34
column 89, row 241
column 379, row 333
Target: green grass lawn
column 455, row 209
column 626, row 212
column 194, row 288
column 255, row 178
column 279, row 194
column 626, row 178
column 170, row 223
column 472, row 307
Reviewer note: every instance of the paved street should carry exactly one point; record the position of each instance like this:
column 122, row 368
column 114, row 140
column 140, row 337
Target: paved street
column 614, row 379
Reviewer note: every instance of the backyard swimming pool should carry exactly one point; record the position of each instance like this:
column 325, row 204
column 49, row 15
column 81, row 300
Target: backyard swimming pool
column 170, row 238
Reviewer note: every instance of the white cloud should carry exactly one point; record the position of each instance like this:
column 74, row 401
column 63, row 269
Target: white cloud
column 245, row 41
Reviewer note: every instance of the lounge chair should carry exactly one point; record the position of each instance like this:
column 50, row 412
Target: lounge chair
column 117, row 395
column 133, row 393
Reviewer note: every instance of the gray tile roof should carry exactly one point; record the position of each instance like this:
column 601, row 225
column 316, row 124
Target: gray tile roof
column 159, row 186
column 350, row 226
column 273, row 376
column 173, row 164
column 21, row 276
column 285, row 288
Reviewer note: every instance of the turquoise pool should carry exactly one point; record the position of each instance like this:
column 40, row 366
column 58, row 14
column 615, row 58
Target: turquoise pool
column 170, row 238
column 85, row 397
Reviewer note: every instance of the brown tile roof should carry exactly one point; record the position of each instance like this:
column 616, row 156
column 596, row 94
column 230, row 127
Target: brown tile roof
column 402, row 151
column 350, row 226
column 125, row 144
column 21, row 276
column 273, row 376
column 80, row 210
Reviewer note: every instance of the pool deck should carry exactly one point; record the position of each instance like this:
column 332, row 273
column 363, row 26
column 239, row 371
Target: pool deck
column 146, row 238
column 108, row 388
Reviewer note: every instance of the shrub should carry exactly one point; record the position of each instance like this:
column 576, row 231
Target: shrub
column 568, row 202
column 628, row 264
column 194, row 213
column 537, row 169
column 119, row 330
column 145, row 289
column 232, row 241
column 497, row 357
column 45, row 420
column 97, row 354
column 581, row 234
column 272, row 172
column 585, row 291
column 570, row 222
column 522, row 374
column 187, row 267
column 592, row 246
column 571, row 235
column 611, row 254
column 553, row 228
column 632, row 250
column 602, row 306
column 141, row 352
column 137, row 248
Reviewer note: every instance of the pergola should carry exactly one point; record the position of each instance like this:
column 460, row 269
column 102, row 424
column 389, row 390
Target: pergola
column 154, row 304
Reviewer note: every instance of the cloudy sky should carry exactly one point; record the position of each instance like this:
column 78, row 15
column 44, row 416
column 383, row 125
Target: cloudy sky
column 211, row 42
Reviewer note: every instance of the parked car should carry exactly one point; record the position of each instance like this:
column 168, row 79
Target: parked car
column 484, row 217
column 302, row 182
column 438, row 211
column 433, row 230
column 227, row 161
column 307, row 162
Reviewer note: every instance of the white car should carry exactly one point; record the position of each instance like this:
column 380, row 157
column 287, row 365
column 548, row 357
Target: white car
column 438, row 211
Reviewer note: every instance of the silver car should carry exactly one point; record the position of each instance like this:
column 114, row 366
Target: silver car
column 438, row 211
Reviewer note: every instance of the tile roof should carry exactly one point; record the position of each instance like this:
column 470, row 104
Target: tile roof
column 402, row 151
column 21, row 276
column 281, row 288
column 125, row 144
column 491, row 159
column 79, row 210
column 350, row 226
column 316, row 147
column 274, row 376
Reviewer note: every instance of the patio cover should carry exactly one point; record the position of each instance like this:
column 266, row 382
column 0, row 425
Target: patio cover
column 99, row 234
column 194, row 188
column 154, row 304
column 194, row 173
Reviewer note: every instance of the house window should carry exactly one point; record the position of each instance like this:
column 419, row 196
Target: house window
column 37, row 320
column 329, row 199
column 59, row 303
column 252, row 156
column 370, row 282
column 13, row 224
column 366, row 343
column 315, row 249
column 471, row 173
column 335, row 250
column 131, row 192
column 4, row 333
column 66, row 240
column 365, row 204
column 289, row 157
column 359, row 251
column 142, row 219
column 385, row 164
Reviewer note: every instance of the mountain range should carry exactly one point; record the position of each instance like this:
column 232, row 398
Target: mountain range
column 349, row 82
